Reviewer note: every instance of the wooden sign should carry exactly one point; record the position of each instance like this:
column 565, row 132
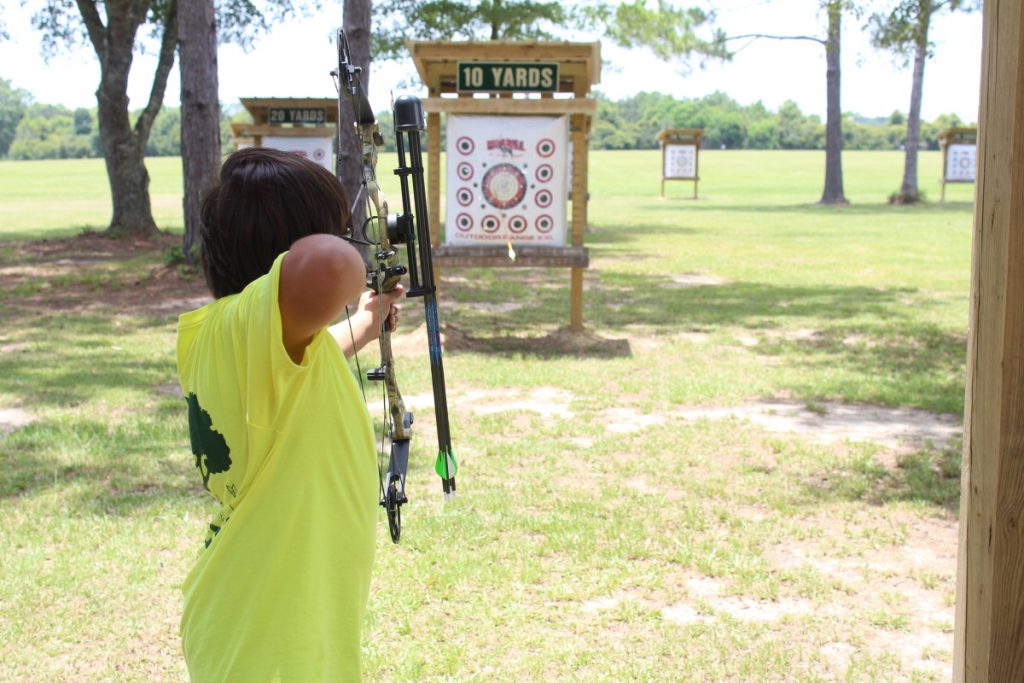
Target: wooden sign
column 507, row 77
column 282, row 115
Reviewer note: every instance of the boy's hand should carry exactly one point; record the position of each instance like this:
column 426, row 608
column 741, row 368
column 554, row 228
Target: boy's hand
column 382, row 308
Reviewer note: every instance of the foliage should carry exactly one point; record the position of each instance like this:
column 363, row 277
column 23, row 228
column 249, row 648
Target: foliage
column 668, row 31
column 631, row 123
column 13, row 102
column 904, row 26
column 52, row 131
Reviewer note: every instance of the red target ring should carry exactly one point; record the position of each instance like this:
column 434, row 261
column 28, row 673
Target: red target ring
column 490, row 224
column 546, row 147
column 518, row 224
column 464, row 222
column 504, row 186
column 464, row 196
column 465, row 145
column 544, row 173
column 465, row 171
column 543, row 198
column 545, row 223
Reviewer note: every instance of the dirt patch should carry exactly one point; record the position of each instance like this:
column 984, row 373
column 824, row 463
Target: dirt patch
column 561, row 342
column 831, row 422
column 94, row 272
column 13, row 418
column 685, row 280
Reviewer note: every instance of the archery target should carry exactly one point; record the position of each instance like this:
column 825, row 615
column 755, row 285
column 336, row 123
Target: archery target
column 319, row 150
column 680, row 162
column 961, row 161
column 507, row 179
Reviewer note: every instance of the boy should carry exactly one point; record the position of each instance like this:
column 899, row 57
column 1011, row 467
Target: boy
column 280, row 434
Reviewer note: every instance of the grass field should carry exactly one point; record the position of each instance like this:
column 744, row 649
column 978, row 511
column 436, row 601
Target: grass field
column 747, row 469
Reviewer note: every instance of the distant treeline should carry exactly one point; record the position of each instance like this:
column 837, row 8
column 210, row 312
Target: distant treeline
column 51, row 131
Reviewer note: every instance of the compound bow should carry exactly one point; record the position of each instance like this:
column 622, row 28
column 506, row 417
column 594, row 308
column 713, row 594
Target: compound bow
column 380, row 232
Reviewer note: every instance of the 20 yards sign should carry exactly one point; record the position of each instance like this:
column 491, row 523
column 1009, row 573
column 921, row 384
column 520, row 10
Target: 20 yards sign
column 507, row 77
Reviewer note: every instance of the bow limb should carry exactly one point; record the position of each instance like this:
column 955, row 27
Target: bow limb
column 384, row 272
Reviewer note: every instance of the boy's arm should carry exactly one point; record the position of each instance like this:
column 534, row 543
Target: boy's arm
column 319, row 275
column 364, row 325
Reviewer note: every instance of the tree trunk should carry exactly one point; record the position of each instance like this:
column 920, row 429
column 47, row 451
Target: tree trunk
column 356, row 21
column 833, row 193
column 124, row 145
column 200, row 113
column 909, row 192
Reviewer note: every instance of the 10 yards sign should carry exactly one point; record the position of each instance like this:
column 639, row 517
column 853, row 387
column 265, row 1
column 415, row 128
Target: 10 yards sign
column 507, row 180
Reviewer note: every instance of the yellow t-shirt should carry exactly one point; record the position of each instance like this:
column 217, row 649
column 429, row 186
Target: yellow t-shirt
column 279, row 592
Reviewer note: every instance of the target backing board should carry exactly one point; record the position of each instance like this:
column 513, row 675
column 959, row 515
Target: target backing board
column 506, row 180
column 314, row 149
column 961, row 161
column 680, row 162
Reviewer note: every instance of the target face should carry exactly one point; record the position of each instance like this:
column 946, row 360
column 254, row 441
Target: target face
column 507, row 179
column 504, row 186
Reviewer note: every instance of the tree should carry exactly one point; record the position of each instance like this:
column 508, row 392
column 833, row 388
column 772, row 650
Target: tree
column 13, row 102
column 356, row 20
column 834, row 10
column 904, row 31
column 124, row 143
column 200, row 113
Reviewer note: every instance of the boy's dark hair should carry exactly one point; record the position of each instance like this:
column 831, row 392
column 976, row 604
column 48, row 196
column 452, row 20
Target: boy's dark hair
column 266, row 200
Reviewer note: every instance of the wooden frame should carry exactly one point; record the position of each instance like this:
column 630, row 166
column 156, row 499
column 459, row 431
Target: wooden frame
column 259, row 108
column 681, row 137
column 579, row 69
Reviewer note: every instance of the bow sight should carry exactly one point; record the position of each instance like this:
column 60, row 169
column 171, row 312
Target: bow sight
column 385, row 270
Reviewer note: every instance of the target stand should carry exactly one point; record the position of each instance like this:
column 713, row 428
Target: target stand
column 518, row 121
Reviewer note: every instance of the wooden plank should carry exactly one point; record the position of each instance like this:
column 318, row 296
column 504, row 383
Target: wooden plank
column 474, row 105
column 282, row 131
column 989, row 630
column 496, row 256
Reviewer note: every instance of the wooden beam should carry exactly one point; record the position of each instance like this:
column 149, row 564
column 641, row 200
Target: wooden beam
column 989, row 630
column 506, row 106
column 497, row 256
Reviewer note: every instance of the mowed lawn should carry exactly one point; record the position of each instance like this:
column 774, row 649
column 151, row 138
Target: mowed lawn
column 746, row 469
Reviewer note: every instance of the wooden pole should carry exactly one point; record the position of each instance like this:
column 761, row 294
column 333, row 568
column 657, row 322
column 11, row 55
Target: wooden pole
column 989, row 631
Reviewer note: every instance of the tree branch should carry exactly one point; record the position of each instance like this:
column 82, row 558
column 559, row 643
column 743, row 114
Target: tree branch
column 771, row 37
column 94, row 25
column 163, row 69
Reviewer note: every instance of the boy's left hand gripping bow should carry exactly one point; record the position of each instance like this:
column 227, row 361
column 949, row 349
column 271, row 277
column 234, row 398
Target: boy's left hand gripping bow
column 379, row 233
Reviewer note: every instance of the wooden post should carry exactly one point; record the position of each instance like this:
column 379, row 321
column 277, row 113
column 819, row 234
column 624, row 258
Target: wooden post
column 989, row 632
column 580, row 146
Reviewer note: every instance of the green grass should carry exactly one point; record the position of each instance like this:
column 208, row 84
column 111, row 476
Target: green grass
column 661, row 549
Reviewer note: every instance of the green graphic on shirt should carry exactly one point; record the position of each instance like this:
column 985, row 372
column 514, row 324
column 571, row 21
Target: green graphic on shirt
column 211, row 450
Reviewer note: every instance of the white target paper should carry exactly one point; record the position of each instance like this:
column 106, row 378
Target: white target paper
column 507, row 180
column 314, row 149
column 961, row 161
column 680, row 161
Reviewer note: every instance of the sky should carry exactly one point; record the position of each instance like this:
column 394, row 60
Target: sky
column 295, row 59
